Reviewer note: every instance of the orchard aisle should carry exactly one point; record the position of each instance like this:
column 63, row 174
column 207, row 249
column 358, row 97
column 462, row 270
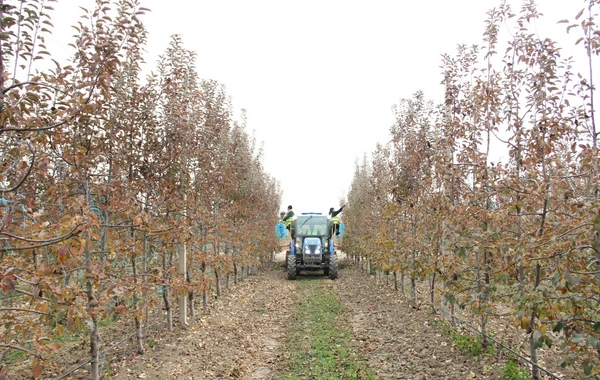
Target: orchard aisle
column 399, row 341
column 242, row 336
column 236, row 338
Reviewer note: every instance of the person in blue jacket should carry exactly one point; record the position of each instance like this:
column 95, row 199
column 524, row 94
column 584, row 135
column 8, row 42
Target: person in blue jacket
column 280, row 227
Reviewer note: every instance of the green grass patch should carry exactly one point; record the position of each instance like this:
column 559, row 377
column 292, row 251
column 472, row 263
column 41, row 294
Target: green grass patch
column 13, row 355
column 105, row 322
column 471, row 345
column 70, row 337
column 467, row 344
column 512, row 371
column 319, row 338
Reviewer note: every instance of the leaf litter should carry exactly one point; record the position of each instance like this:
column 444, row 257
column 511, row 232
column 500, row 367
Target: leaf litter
column 241, row 335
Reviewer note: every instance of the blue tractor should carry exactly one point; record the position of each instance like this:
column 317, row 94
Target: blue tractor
column 312, row 246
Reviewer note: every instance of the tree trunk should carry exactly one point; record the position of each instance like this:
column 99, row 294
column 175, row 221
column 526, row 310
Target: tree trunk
column 166, row 295
column 92, row 311
column 191, row 306
column 403, row 284
column 413, row 284
column 136, row 315
column 432, row 292
column 95, row 349
column 395, row 280
column 535, row 371
column 218, row 283
column 204, row 287
column 479, row 293
column 597, row 251
column 521, row 276
column 484, row 319
column 204, row 283
column 414, row 263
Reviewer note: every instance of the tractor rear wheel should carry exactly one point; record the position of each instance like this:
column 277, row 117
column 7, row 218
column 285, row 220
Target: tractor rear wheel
column 333, row 267
column 291, row 267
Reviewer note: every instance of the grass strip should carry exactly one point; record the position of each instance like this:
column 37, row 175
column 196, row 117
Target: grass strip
column 320, row 337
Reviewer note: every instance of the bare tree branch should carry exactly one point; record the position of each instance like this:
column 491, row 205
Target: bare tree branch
column 45, row 243
column 7, row 89
column 18, row 348
column 24, row 177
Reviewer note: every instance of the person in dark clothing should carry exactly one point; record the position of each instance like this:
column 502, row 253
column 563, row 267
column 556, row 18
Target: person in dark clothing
column 287, row 219
column 333, row 216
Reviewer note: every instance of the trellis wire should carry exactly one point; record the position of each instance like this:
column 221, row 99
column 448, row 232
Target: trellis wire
column 524, row 358
column 107, row 350
column 158, row 290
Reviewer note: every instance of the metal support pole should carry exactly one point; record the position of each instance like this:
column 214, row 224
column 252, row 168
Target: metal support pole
column 183, row 297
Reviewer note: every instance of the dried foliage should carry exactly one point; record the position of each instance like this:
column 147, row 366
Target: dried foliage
column 105, row 181
column 493, row 196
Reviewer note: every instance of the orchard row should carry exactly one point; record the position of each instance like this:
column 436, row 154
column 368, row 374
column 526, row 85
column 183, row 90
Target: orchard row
column 117, row 195
column 494, row 195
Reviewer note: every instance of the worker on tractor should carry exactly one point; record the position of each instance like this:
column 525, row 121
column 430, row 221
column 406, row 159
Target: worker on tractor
column 333, row 217
column 288, row 218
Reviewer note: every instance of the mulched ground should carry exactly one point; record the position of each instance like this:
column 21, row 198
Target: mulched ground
column 236, row 338
column 399, row 341
column 241, row 335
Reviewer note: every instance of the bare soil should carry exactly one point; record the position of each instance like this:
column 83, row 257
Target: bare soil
column 241, row 334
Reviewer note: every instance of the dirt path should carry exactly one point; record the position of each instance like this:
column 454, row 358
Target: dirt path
column 399, row 341
column 238, row 338
column 241, row 336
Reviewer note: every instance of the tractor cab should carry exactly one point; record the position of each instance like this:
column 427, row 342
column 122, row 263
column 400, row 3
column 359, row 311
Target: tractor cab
column 312, row 246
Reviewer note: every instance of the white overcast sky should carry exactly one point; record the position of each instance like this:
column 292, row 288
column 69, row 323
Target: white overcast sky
column 317, row 78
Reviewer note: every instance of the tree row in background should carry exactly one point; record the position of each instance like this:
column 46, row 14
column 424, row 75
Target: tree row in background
column 493, row 196
column 105, row 182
